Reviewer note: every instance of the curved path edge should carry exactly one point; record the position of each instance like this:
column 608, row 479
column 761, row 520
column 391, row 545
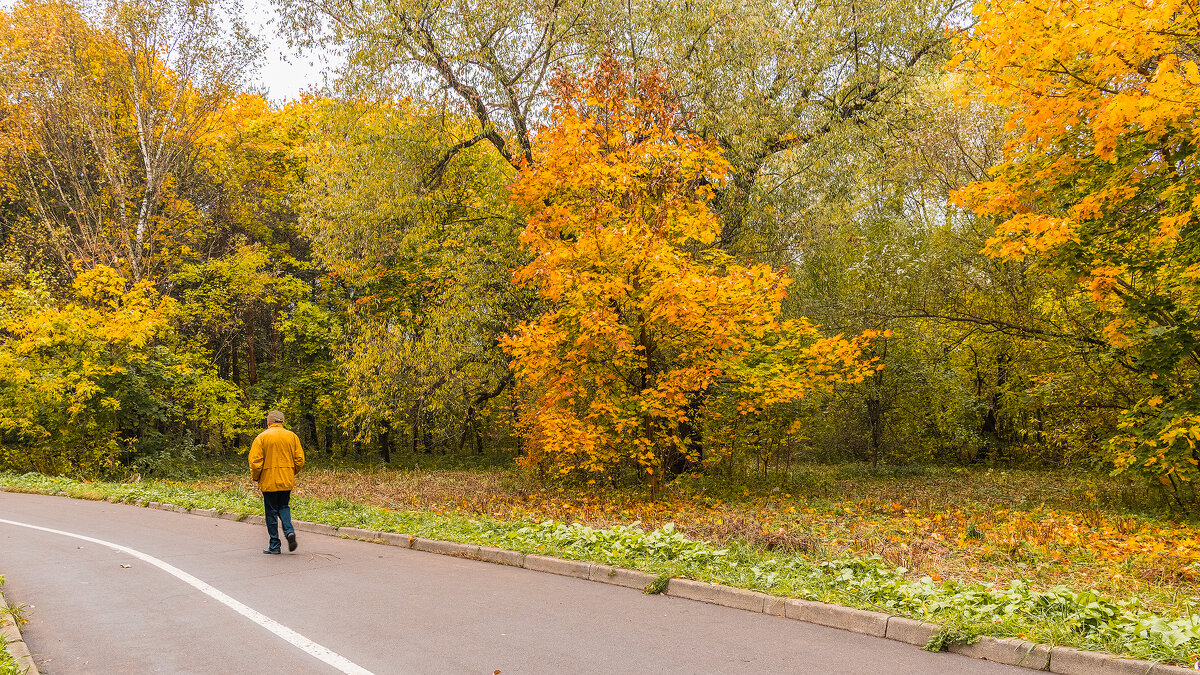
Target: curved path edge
column 11, row 635
column 1008, row 651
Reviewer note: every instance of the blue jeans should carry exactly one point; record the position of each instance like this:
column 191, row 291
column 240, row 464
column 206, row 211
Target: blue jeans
column 277, row 507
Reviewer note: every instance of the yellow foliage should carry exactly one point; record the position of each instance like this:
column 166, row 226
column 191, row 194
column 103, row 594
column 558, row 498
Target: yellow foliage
column 1098, row 182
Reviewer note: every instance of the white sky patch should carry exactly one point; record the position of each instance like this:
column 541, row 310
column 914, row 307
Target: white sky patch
column 282, row 72
column 299, row 641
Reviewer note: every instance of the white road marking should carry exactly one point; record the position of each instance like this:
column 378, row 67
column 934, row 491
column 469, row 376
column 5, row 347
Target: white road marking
column 323, row 653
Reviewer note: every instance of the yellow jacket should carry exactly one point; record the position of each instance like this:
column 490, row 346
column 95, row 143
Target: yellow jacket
column 275, row 459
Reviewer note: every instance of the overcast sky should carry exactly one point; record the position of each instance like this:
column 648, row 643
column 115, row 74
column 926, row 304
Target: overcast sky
column 281, row 71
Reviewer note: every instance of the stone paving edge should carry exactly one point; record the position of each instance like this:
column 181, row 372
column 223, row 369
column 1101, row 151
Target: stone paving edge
column 1009, row 651
column 11, row 635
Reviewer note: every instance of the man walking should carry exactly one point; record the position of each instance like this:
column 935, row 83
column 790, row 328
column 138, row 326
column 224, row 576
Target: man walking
column 275, row 459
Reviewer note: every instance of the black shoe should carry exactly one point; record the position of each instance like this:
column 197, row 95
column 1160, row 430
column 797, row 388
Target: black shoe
column 269, row 551
column 291, row 541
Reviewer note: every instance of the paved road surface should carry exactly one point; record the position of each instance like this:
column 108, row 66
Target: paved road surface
column 386, row 609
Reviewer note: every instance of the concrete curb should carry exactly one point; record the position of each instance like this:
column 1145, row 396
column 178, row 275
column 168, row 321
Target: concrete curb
column 500, row 556
column 1068, row 661
column 1013, row 652
column 836, row 616
column 1010, row 651
column 393, row 539
column 619, row 576
column 443, row 547
column 11, row 636
column 911, row 631
column 315, row 528
column 567, row 568
column 350, row 532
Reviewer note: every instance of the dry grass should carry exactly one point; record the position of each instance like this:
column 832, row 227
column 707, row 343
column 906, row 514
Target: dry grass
column 985, row 526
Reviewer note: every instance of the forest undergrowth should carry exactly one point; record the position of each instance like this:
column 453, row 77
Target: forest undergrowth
column 991, row 526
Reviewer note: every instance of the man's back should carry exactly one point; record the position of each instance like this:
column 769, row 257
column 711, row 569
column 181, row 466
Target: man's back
column 275, row 458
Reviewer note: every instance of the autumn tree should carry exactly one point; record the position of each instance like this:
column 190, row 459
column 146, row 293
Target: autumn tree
column 762, row 79
column 987, row 363
column 108, row 106
column 254, row 298
column 1098, row 185
column 127, row 141
column 645, row 314
column 99, row 383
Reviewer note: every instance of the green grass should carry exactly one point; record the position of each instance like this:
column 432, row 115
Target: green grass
column 1056, row 616
column 8, row 665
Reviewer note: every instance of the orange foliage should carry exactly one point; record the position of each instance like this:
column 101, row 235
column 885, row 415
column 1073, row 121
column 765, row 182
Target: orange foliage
column 646, row 315
column 1095, row 73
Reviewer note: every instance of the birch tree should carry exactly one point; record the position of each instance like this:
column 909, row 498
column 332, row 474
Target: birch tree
column 108, row 108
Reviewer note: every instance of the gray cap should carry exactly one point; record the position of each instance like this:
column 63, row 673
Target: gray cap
column 274, row 416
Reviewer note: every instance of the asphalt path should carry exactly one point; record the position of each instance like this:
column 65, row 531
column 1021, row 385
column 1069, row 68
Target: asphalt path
column 93, row 609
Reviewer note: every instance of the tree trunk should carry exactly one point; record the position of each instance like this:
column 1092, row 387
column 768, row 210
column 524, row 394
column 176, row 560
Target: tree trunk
column 233, row 363
column 321, row 439
column 276, row 336
column 466, row 427
column 990, row 429
column 875, row 418
column 251, row 363
column 691, row 455
column 875, row 409
column 385, row 441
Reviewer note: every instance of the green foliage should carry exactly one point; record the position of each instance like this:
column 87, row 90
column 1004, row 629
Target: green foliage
column 216, row 294
column 947, row 637
column 11, row 614
column 17, row 614
column 658, row 586
column 619, row 544
column 989, row 360
column 87, row 386
column 8, row 665
column 229, row 304
column 422, row 234
column 1096, row 186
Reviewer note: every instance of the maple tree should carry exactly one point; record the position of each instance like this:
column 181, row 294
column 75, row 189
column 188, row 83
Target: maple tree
column 1098, row 184
column 645, row 315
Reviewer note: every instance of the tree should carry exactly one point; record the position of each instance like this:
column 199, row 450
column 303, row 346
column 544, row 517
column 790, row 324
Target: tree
column 762, row 79
column 97, row 384
column 1098, row 184
column 105, row 121
column 645, row 314
column 990, row 359
column 427, row 268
